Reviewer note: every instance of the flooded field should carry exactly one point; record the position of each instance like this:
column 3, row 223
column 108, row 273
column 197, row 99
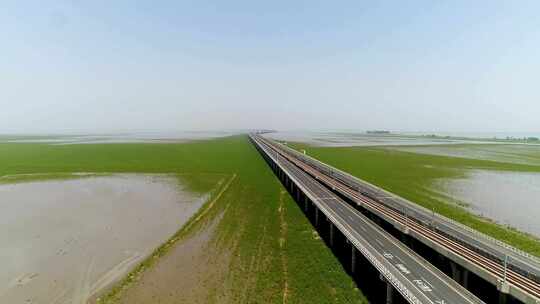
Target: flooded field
column 62, row 241
column 331, row 139
column 146, row 137
column 509, row 198
column 515, row 153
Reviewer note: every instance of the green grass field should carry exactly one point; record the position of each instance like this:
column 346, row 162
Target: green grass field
column 274, row 256
column 411, row 176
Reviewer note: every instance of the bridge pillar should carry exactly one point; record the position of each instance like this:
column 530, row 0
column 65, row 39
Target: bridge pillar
column 455, row 272
column 331, row 234
column 305, row 203
column 316, row 216
column 503, row 298
column 389, row 293
column 406, row 239
column 353, row 259
column 465, row 278
column 503, row 288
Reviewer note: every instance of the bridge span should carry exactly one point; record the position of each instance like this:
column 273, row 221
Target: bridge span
column 472, row 259
column 408, row 277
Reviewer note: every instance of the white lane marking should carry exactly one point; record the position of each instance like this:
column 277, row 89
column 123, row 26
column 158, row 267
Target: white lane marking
column 426, row 281
column 423, row 286
column 388, row 255
column 403, row 269
column 379, row 242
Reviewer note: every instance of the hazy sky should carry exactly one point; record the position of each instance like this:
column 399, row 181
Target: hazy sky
column 111, row 66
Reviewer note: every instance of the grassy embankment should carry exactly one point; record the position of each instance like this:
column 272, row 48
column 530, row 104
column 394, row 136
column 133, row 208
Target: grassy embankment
column 274, row 254
column 411, row 175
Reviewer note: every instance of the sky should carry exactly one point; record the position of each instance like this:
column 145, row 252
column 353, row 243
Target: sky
column 120, row 66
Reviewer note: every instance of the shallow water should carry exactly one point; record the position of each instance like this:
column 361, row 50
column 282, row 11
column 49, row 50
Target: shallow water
column 510, row 198
column 62, row 241
column 143, row 137
column 329, row 139
column 516, row 153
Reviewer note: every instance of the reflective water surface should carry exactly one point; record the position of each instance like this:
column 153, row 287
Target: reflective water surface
column 141, row 137
column 510, row 198
column 336, row 139
column 61, row 241
column 527, row 154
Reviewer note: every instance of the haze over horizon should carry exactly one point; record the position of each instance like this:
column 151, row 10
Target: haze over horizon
column 106, row 67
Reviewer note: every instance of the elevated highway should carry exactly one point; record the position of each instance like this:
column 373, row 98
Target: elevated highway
column 471, row 250
column 404, row 271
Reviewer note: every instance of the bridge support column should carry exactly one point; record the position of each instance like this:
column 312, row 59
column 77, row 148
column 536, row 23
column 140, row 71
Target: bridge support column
column 389, row 293
column 503, row 288
column 406, row 239
column 389, row 290
column 353, row 259
column 503, row 298
column 316, row 216
column 465, row 278
column 455, row 272
column 331, row 234
column 306, row 203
